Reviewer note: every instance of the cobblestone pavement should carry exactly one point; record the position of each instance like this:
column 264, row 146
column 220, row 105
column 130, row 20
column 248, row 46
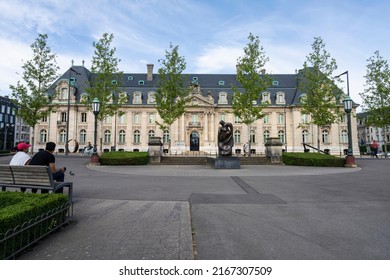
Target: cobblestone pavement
column 256, row 212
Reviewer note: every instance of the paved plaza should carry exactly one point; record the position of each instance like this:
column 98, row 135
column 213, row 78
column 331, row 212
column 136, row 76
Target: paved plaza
column 195, row 212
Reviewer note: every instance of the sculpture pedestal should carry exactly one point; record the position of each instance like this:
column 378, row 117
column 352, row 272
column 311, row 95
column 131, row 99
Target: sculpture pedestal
column 224, row 162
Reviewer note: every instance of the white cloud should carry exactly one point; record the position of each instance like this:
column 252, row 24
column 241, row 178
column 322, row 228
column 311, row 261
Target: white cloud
column 218, row 59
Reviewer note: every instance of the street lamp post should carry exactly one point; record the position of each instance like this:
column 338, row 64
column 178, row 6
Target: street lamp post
column 95, row 110
column 350, row 159
column 68, row 111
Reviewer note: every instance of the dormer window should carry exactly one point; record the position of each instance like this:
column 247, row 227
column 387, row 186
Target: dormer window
column 221, row 83
column 130, row 78
column 151, row 97
column 266, row 97
column 280, row 98
column 222, row 98
column 275, row 83
column 114, row 82
column 141, row 82
column 137, row 98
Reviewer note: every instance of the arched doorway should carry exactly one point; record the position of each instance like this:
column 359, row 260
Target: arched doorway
column 194, row 141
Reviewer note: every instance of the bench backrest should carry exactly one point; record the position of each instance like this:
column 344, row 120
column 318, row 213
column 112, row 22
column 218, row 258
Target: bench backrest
column 26, row 175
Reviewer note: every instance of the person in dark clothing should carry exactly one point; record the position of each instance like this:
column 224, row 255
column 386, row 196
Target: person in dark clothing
column 47, row 158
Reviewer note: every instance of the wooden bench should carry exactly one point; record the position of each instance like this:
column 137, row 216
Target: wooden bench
column 34, row 177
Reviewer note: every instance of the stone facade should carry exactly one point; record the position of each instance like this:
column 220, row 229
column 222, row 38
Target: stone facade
column 197, row 129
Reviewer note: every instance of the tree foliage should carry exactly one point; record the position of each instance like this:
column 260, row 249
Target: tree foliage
column 316, row 80
column 250, row 77
column 106, row 78
column 172, row 96
column 376, row 95
column 38, row 75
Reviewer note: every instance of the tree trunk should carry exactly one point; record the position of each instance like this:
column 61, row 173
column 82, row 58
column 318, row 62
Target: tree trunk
column 318, row 139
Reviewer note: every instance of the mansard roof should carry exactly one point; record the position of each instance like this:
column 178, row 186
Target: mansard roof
column 209, row 84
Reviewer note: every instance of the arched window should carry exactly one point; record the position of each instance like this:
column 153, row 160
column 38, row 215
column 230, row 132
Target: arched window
column 150, row 134
column 281, row 136
column 325, row 136
column 305, row 136
column 265, row 135
column 83, row 136
column 122, row 136
column 137, row 137
column 62, row 135
column 237, row 136
column 166, row 137
column 344, row 136
column 43, row 136
column 252, row 136
column 107, row 136
column 222, row 116
column 237, row 119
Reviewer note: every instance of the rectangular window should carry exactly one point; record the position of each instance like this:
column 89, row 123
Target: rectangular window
column 122, row 119
column 152, row 118
column 83, row 117
column 137, row 118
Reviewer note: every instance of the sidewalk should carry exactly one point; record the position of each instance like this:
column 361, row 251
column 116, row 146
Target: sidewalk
column 257, row 212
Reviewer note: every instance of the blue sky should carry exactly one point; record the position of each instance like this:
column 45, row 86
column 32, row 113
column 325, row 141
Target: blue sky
column 211, row 34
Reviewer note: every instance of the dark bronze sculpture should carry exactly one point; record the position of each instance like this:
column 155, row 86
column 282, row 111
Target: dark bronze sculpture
column 225, row 139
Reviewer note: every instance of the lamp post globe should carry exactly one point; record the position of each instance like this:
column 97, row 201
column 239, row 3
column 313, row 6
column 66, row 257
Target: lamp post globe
column 350, row 159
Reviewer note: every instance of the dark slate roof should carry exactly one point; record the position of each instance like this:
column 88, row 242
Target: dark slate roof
column 209, row 84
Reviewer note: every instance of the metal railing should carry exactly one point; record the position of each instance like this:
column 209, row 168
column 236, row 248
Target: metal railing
column 18, row 239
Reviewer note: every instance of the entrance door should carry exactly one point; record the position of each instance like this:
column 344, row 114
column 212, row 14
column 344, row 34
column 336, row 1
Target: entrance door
column 194, row 141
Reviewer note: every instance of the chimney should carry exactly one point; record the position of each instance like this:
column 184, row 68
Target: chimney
column 149, row 75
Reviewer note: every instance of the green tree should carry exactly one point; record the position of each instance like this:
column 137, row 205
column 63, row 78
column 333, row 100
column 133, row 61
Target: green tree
column 38, row 75
column 172, row 93
column 252, row 78
column 316, row 80
column 376, row 95
column 106, row 79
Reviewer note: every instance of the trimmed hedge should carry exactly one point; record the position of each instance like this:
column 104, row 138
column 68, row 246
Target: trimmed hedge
column 312, row 159
column 17, row 208
column 124, row 158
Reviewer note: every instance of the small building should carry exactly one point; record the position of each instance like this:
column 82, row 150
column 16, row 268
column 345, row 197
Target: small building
column 7, row 123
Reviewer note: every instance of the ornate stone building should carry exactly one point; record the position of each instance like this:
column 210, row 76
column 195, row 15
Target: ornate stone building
column 197, row 129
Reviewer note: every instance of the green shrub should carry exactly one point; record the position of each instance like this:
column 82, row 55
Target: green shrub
column 21, row 211
column 312, row 159
column 124, row 158
column 17, row 208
